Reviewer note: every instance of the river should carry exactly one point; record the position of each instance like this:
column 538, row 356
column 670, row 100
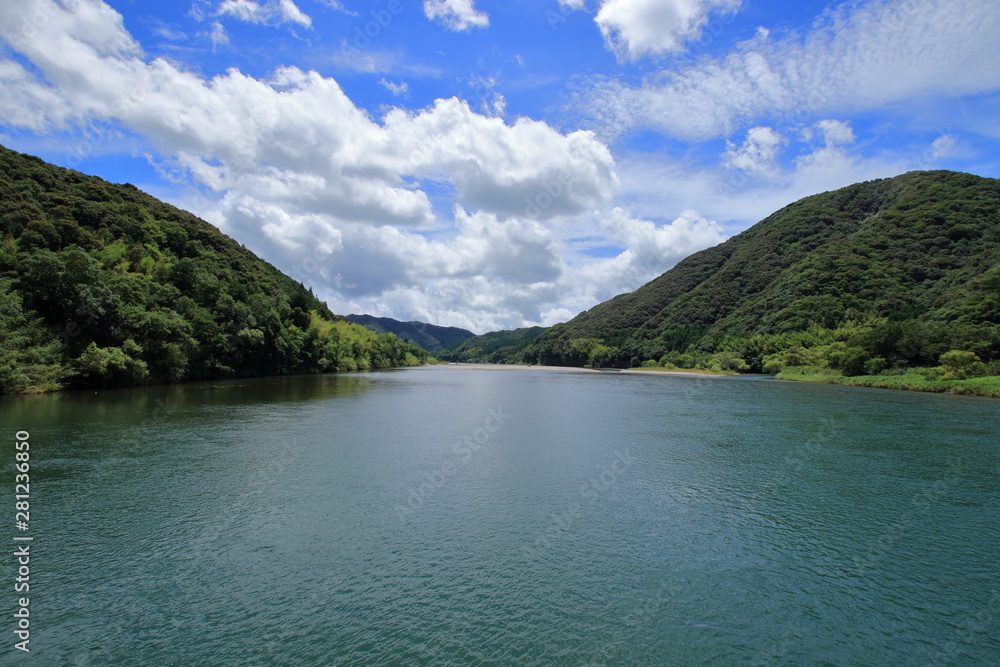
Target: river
column 464, row 516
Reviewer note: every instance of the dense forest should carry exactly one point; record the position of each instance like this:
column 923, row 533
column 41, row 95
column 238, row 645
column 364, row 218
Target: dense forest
column 875, row 278
column 102, row 285
column 495, row 347
column 430, row 337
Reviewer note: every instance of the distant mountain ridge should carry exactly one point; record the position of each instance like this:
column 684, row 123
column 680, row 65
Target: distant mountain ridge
column 430, row 337
column 493, row 347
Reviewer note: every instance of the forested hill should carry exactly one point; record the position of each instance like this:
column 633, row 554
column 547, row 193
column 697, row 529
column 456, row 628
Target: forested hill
column 889, row 273
column 428, row 336
column 103, row 285
column 494, row 347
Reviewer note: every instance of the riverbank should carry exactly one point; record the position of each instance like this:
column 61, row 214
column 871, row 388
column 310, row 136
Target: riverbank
column 982, row 386
column 681, row 372
column 509, row 367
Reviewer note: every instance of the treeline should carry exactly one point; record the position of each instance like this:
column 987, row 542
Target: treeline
column 102, row 285
column 853, row 349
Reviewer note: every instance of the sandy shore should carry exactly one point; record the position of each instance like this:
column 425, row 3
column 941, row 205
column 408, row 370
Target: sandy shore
column 515, row 367
column 575, row 369
column 683, row 374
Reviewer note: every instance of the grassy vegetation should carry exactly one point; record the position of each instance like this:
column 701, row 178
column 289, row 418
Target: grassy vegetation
column 915, row 380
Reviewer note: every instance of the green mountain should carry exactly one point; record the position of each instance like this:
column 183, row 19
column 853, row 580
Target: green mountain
column 428, row 336
column 889, row 273
column 104, row 285
column 493, row 347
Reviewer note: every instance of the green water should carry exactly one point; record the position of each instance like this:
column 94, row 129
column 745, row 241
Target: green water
column 443, row 516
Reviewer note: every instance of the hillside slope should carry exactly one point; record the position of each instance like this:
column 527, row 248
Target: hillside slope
column 492, row 347
column 903, row 268
column 428, row 336
column 104, row 285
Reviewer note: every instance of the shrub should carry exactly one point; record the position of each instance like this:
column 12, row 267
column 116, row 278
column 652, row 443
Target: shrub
column 853, row 362
column 875, row 365
column 111, row 366
column 793, row 356
column 960, row 365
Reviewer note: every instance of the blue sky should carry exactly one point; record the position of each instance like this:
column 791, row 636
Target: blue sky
column 496, row 164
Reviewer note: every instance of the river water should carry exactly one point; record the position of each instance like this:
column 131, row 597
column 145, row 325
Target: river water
column 466, row 516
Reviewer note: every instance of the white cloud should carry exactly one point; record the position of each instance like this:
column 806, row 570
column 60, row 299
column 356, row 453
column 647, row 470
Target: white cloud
column 652, row 248
column 169, row 32
column 503, row 273
column 637, row 28
column 504, row 169
column 943, row 146
column 217, row 35
column 491, row 102
column 24, row 95
column 339, row 6
column 394, row 88
column 836, row 132
column 297, row 138
column 274, row 12
column 357, row 55
column 759, row 153
column 859, row 56
column 664, row 183
column 456, row 15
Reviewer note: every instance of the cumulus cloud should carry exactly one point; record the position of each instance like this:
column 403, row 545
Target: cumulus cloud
column 502, row 273
column 270, row 13
column 648, row 249
column 653, row 248
column 857, row 56
column 758, row 156
column 458, row 15
column 296, row 137
column 637, row 28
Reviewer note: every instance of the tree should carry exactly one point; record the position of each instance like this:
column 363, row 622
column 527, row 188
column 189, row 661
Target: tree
column 960, row 365
column 29, row 355
column 111, row 366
